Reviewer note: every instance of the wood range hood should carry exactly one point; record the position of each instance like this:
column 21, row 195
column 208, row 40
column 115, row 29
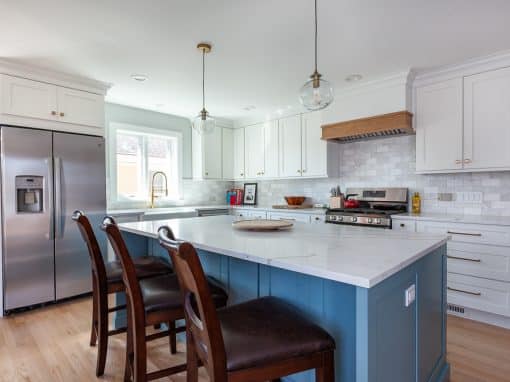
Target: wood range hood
column 379, row 126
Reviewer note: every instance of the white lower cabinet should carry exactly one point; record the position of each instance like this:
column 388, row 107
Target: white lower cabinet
column 478, row 264
column 303, row 218
column 256, row 213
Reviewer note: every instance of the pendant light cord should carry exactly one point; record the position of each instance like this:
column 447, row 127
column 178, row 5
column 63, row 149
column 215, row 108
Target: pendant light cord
column 203, row 78
column 315, row 35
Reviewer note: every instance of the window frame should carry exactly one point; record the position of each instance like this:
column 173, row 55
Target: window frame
column 114, row 127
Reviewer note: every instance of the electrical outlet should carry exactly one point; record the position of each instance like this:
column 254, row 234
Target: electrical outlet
column 410, row 295
column 446, row 197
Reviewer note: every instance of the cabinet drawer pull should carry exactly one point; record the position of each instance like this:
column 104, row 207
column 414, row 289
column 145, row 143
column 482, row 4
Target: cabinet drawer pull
column 464, row 258
column 467, row 160
column 53, row 112
column 458, row 161
column 62, row 114
column 464, row 233
column 287, row 218
column 465, row 291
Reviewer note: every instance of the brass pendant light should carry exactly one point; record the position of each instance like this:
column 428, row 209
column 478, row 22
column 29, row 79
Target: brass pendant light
column 204, row 123
column 316, row 93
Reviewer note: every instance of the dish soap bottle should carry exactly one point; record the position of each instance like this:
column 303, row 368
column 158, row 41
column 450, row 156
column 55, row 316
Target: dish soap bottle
column 416, row 203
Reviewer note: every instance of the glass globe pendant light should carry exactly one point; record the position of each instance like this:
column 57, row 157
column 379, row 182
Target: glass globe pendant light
column 204, row 123
column 316, row 93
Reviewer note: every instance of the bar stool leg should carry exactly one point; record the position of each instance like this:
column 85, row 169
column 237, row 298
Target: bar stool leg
column 191, row 360
column 129, row 347
column 102, row 333
column 93, row 332
column 173, row 337
column 326, row 373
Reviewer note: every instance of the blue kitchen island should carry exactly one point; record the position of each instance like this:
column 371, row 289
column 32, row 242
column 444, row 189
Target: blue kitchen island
column 381, row 294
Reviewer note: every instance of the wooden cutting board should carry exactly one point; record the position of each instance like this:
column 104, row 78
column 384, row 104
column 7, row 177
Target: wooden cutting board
column 262, row 225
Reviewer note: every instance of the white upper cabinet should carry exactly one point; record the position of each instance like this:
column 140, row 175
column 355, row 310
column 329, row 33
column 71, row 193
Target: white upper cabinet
column 228, row 154
column 39, row 104
column 463, row 124
column 254, row 151
column 79, row 107
column 207, row 154
column 290, row 146
column 238, row 151
column 438, row 122
column 270, row 149
column 27, row 98
column 314, row 160
column 487, row 120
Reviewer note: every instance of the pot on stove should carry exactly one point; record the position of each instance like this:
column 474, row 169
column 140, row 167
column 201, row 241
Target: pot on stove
column 351, row 203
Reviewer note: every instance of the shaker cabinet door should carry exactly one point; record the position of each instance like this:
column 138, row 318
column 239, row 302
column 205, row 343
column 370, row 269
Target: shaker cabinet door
column 315, row 159
column 212, row 154
column 487, row 120
column 271, row 149
column 254, row 155
column 290, row 147
column 439, row 126
column 27, row 98
column 238, row 149
column 79, row 107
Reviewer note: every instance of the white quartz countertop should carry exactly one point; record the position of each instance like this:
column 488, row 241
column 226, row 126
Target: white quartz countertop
column 310, row 211
column 354, row 255
column 469, row 219
column 191, row 209
column 165, row 210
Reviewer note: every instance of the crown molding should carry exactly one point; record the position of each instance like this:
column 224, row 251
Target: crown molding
column 19, row 69
column 466, row 68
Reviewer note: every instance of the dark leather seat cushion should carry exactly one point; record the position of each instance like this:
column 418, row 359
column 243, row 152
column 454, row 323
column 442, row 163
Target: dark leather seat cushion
column 163, row 292
column 267, row 330
column 146, row 266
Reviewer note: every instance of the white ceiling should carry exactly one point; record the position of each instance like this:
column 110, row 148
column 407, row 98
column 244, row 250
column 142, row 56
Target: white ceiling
column 262, row 50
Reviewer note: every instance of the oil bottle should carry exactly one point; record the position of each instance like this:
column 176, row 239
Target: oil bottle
column 416, row 203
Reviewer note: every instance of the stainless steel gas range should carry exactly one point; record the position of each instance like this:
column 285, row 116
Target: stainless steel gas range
column 376, row 205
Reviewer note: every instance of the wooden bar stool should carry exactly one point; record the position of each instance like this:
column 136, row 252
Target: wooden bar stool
column 107, row 279
column 150, row 302
column 259, row 340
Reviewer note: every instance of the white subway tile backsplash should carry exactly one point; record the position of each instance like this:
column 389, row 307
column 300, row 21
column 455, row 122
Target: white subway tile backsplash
column 391, row 162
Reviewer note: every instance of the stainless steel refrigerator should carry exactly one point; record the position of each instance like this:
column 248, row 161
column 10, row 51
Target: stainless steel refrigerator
column 45, row 177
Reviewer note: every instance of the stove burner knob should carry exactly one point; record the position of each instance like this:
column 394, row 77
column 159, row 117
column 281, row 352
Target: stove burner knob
column 378, row 221
column 340, row 218
column 354, row 219
column 332, row 218
column 370, row 220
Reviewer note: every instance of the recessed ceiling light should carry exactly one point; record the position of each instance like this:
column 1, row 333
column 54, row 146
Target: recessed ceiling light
column 139, row 77
column 353, row 77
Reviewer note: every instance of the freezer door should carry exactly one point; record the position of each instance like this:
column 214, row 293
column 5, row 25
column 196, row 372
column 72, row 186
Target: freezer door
column 79, row 168
column 28, row 261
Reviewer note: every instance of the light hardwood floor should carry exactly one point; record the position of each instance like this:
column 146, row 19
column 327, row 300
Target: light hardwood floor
column 51, row 344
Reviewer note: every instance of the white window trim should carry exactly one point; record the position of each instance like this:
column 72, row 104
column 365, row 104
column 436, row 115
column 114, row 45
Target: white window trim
column 112, row 163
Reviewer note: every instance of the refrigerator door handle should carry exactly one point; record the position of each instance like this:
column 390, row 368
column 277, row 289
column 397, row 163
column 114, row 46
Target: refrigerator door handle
column 59, row 220
column 49, row 192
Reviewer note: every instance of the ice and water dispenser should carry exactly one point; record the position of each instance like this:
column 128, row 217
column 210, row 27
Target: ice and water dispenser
column 29, row 194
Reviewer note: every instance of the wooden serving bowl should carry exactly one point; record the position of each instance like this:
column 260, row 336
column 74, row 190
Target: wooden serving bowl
column 295, row 200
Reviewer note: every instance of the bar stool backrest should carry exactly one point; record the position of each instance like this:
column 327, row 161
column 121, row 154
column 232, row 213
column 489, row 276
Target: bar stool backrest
column 96, row 258
column 133, row 291
column 203, row 326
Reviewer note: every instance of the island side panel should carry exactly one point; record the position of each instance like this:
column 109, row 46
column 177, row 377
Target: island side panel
column 398, row 343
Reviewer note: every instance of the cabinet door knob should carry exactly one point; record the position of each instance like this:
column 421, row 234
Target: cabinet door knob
column 206, row 173
column 242, row 174
column 53, row 112
column 467, row 160
column 402, row 225
column 62, row 114
column 458, row 161
column 299, row 171
column 304, row 170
